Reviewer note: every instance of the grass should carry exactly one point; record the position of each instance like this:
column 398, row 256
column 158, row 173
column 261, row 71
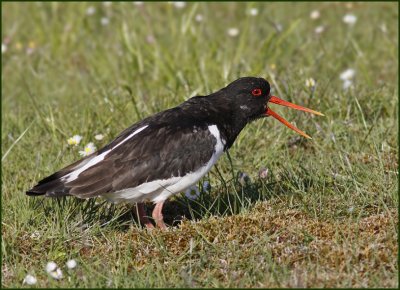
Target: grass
column 325, row 216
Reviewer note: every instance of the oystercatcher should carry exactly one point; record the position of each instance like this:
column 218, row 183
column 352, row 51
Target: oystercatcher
column 168, row 152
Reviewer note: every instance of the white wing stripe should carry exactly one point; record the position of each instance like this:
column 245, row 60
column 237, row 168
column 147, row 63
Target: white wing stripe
column 74, row 174
column 130, row 136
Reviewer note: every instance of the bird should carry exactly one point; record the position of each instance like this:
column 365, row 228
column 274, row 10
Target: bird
column 166, row 153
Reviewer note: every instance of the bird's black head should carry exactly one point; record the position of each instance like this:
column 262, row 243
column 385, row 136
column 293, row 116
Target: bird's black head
column 245, row 100
column 248, row 97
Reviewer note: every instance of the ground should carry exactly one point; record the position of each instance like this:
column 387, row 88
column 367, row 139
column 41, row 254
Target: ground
column 281, row 211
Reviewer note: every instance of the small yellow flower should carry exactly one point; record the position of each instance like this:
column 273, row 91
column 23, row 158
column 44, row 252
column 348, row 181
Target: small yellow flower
column 31, row 47
column 57, row 274
column 18, row 46
column 272, row 66
column 74, row 140
column 89, row 149
column 310, row 83
column 31, row 44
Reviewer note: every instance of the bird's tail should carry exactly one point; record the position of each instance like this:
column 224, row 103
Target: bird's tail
column 50, row 186
column 53, row 185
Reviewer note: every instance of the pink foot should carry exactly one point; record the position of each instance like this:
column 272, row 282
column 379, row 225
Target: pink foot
column 158, row 217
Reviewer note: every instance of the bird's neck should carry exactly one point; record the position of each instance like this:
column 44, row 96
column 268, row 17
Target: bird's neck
column 217, row 111
column 230, row 130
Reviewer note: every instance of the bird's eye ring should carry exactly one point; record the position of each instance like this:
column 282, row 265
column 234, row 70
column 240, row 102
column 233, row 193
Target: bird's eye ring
column 256, row 92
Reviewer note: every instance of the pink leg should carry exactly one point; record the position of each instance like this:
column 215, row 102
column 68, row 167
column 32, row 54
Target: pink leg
column 143, row 217
column 158, row 217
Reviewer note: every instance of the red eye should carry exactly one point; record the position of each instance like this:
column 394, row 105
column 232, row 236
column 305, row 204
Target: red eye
column 256, row 92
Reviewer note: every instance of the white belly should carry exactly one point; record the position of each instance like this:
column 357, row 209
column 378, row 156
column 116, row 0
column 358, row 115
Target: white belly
column 160, row 190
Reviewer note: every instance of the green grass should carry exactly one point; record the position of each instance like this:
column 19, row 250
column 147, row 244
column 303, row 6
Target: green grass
column 326, row 215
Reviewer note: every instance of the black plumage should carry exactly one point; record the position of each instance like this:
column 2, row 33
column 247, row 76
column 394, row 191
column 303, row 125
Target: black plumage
column 177, row 141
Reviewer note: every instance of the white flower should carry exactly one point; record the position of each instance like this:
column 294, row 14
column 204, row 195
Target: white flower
column 107, row 3
column 179, row 4
column 30, row 50
column 263, row 173
column 99, row 137
column 319, row 29
column 104, row 21
column 315, row 14
column 253, row 12
column 199, row 18
column 383, row 27
column 30, row 280
column 57, row 274
column 310, row 82
column 90, row 10
column 53, row 270
column 192, row 192
column 233, row 32
column 3, row 48
column 350, row 19
column 31, row 47
column 50, row 267
column 350, row 209
column 348, row 74
column 89, row 149
column 150, row 39
column 347, row 84
column 206, row 186
column 74, row 140
column 71, row 264
column 138, row 3
column 35, row 235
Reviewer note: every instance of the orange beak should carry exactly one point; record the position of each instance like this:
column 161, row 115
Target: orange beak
column 281, row 102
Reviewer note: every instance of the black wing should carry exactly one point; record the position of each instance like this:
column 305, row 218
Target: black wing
column 171, row 145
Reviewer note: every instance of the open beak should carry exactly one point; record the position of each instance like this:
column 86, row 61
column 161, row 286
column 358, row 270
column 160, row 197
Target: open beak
column 281, row 102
